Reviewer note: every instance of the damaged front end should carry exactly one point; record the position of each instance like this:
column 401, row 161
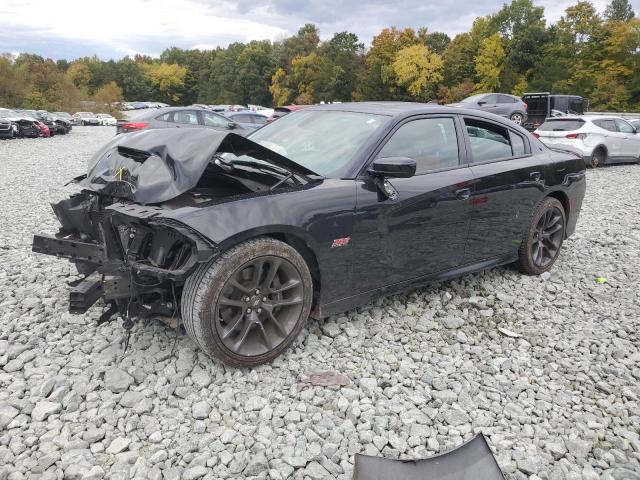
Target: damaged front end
column 129, row 255
column 121, row 230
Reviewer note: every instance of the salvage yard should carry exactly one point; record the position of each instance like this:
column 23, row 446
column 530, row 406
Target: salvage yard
column 548, row 368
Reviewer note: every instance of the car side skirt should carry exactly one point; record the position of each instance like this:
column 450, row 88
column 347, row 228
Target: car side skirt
column 363, row 298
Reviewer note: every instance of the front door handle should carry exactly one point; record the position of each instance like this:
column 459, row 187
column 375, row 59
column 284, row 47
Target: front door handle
column 535, row 176
column 463, row 193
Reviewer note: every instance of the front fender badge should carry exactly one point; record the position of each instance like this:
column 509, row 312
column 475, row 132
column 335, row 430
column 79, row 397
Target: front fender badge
column 341, row 242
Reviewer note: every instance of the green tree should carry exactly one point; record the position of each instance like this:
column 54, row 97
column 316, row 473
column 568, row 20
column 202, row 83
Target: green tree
column 619, row 11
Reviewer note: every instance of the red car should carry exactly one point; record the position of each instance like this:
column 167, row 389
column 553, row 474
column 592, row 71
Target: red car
column 282, row 111
column 44, row 130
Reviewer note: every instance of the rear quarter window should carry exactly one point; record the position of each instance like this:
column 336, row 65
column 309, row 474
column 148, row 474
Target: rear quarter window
column 563, row 125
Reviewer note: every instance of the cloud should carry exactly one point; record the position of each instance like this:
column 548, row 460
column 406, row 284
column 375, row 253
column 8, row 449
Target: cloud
column 125, row 27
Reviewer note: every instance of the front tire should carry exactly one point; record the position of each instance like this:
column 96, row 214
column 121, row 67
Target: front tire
column 517, row 118
column 544, row 237
column 248, row 305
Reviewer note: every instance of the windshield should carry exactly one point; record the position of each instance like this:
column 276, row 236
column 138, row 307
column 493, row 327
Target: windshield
column 323, row 141
column 8, row 114
column 561, row 125
column 473, row 98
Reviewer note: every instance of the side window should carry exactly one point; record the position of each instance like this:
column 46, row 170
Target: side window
column 164, row 118
column 624, row 127
column 213, row 120
column 506, row 99
column 517, row 145
column 488, row 141
column 186, row 117
column 608, row 125
column 259, row 119
column 431, row 142
column 493, row 98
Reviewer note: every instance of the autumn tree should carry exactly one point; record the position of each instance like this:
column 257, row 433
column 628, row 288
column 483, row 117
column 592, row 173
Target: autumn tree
column 489, row 62
column 166, row 79
column 419, row 70
column 619, row 11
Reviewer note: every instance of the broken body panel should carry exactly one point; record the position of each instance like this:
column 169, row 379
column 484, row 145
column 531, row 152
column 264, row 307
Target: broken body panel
column 128, row 231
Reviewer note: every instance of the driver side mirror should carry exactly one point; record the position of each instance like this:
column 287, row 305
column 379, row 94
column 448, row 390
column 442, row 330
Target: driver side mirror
column 394, row 167
column 481, row 102
column 231, row 125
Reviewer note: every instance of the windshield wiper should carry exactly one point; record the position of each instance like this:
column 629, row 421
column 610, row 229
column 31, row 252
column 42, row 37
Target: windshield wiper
column 289, row 174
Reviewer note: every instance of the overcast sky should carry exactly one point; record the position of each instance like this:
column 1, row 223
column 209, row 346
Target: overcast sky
column 114, row 28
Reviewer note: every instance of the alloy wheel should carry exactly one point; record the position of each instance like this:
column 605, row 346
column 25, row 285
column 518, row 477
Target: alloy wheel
column 517, row 118
column 259, row 306
column 547, row 237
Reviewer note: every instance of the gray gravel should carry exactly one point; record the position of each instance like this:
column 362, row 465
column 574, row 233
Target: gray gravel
column 556, row 390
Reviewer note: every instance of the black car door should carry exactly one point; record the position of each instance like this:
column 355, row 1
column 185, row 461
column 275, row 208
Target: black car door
column 508, row 184
column 423, row 231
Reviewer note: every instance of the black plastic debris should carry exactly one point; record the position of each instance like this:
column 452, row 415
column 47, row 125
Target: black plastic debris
column 470, row 461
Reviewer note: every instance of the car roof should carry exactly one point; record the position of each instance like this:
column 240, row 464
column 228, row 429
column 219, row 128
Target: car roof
column 396, row 108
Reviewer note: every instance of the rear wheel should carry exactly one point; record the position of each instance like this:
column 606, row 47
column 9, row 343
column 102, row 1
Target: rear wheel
column 598, row 158
column 517, row 118
column 543, row 239
column 248, row 305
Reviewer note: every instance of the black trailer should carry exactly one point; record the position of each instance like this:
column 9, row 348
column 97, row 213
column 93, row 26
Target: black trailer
column 542, row 105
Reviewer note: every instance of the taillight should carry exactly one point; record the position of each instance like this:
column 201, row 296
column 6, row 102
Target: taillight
column 537, row 135
column 580, row 136
column 134, row 126
column 525, row 106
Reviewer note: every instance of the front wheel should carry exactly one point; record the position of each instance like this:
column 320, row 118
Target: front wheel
column 248, row 305
column 543, row 239
column 517, row 118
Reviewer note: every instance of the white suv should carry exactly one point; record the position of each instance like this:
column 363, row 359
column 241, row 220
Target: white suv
column 598, row 139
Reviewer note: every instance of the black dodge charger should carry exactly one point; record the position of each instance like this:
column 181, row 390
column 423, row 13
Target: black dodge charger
column 244, row 238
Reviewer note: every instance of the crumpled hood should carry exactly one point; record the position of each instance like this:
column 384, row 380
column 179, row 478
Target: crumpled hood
column 153, row 166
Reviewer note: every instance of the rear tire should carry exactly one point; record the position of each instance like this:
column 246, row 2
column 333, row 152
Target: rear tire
column 517, row 118
column 248, row 305
column 543, row 239
column 598, row 158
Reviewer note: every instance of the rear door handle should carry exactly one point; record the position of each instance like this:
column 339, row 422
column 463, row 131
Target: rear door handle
column 463, row 193
column 535, row 176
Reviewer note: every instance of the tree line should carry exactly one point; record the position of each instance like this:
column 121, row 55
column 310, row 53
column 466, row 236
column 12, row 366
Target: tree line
column 513, row 50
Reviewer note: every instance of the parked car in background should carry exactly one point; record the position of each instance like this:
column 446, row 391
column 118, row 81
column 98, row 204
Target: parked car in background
column 635, row 122
column 106, row 119
column 508, row 106
column 543, row 105
column 26, row 125
column 62, row 125
column 247, row 119
column 282, row 111
column 316, row 213
column 65, row 116
column 86, row 118
column 7, row 128
column 179, row 117
column 599, row 139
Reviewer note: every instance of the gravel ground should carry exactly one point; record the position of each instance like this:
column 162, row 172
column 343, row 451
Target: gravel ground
column 547, row 368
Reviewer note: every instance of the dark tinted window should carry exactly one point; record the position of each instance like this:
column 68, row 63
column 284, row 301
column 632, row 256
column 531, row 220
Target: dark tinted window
column 624, row 127
column 517, row 145
column 606, row 124
column 431, row 142
column 488, row 141
column 561, row 125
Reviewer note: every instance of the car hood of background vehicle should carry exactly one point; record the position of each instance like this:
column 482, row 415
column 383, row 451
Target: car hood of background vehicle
column 154, row 166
